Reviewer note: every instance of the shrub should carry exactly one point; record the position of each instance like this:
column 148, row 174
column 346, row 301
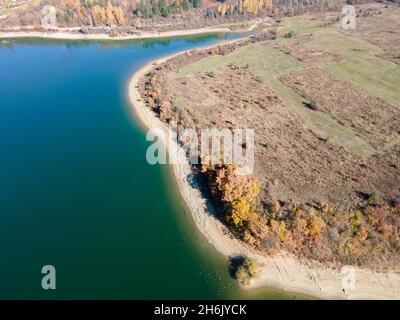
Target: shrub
column 249, row 269
column 288, row 34
column 185, row 5
column 211, row 74
column 355, row 219
column 279, row 228
column 363, row 234
column 300, row 230
column 151, row 73
column 238, row 194
column 374, row 198
column 241, row 211
column 315, row 227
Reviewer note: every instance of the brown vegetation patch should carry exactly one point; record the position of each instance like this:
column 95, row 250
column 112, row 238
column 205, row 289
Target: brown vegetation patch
column 207, row 98
column 372, row 117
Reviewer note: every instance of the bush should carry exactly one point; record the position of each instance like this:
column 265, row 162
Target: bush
column 289, row 34
column 238, row 194
column 316, row 225
column 144, row 10
column 185, row 5
column 248, row 270
column 211, row 74
column 374, row 198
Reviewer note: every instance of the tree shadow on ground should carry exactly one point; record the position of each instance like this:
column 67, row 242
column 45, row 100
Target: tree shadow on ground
column 235, row 262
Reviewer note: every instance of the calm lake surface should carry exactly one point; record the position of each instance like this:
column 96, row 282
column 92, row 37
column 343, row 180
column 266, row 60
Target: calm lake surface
column 76, row 191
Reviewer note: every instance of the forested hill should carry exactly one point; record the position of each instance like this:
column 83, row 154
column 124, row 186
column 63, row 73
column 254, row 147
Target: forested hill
column 170, row 14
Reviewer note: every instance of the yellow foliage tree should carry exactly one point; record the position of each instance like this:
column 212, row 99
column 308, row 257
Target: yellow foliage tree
column 76, row 6
column 316, row 225
column 110, row 15
column 241, row 210
column 279, row 228
column 99, row 15
column 119, row 15
column 238, row 193
column 110, row 18
column 249, row 6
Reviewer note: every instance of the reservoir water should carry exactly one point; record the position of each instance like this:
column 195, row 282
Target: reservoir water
column 76, row 191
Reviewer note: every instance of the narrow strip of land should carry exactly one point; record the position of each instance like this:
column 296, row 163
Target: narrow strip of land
column 74, row 34
column 103, row 36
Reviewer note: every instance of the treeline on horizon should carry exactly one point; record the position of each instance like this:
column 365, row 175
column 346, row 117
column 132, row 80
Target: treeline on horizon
column 94, row 13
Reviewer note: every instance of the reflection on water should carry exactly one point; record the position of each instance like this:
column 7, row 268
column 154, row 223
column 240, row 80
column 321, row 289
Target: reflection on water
column 76, row 191
column 145, row 43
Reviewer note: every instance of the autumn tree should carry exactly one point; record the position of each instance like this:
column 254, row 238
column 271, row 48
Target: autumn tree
column 99, row 15
column 249, row 269
column 109, row 15
column 239, row 194
column 316, row 226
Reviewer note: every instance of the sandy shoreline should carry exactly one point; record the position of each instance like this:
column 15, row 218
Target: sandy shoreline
column 66, row 33
column 284, row 271
column 103, row 36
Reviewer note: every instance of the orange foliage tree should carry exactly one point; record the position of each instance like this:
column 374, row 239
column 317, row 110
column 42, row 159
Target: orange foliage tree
column 239, row 194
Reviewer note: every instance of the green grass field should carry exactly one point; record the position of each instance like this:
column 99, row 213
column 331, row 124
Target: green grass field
column 362, row 67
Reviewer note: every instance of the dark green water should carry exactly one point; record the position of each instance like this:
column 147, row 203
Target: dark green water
column 76, row 191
